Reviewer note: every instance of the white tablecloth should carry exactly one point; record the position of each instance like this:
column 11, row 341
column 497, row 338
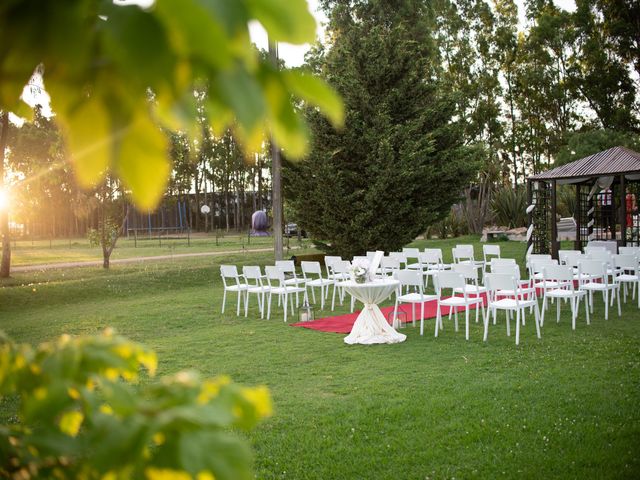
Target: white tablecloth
column 371, row 326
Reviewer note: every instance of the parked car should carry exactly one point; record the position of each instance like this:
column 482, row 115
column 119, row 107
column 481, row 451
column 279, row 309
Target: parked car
column 291, row 230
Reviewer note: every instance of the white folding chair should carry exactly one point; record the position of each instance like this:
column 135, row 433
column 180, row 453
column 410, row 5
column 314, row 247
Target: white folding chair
column 401, row 257
column 595, row 278
column 288, row 267
column 278, row 286
column 389, row 266
column 340, row 274
column 454, row 281
column 312, row 273
column 229, row 273
column 431, row 262
column 464, row 254
column 413, row 254
column 490, row 252
column 412, row 280
column 253, row 277
column 562, row 276
column 524, row 290
column 496, row 282
column 329, row 260
column 471, row 286
column 629, row 270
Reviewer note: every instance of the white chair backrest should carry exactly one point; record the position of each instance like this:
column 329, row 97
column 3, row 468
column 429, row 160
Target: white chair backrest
column 461, row 254
column 312, row 268
column 229, row 271
column 536, row 266
column 274, row 273
column 506, row 269
column 538, row 256
column 341, row 266
column 411, row 252
column 434, row 251
column 594, row 269
column 252, row 272
column 629, row 251
column 410, row 278
column 466, row 249
column 402, row 258
column 468, row 271
column 389, row 264
column 601, row 256
column 566, row 256
column 360, row 259
column 501, row 281
column 449, row 280
column 560, row 273
column 626, row 262
column 594, row 248
column 431, row 257
column 491, row 250
column 610, row 245
column 287, row 266
column 498, row 262
column 329, row 260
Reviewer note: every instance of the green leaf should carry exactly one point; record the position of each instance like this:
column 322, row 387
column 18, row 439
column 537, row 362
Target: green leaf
column 242, row 92
column 88, row 132
column 142, row 161
column 316, row 92
column 133, row 38
column 287, row 127
column 285, row 20
column 194, row 32
column 231, row 461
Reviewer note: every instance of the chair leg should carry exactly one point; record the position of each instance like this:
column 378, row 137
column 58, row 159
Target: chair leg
column 269, row 306
column 536, row 317
column 438, row 317
column 508, row 317
column 466, row 321
column 238, row 307
column 224, row 299
column 606, row 304
column 486, row 324
column 456, row 318
column 421, row 318
column 573, row 313
column 544, row 307
column 558, row 311
column 286, row 304
column 618, row 299
column 518, row 325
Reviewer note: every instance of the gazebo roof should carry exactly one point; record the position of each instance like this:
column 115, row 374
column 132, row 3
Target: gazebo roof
column 615, row 161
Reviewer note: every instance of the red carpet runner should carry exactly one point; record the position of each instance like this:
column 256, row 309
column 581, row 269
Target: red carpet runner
column 344, row 323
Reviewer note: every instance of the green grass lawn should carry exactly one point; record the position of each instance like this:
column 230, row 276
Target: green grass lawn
column 565, row 406
column 27, row 252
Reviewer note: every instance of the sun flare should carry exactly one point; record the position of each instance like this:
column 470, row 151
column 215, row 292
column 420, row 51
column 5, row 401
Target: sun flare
column 4, row 199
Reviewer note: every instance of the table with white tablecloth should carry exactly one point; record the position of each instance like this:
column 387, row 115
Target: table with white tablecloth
column 371, row 326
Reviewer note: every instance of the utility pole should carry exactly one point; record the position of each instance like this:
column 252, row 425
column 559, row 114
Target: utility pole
column 276, row 177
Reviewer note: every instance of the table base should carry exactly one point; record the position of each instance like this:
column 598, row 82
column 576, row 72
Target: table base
column 371, row 327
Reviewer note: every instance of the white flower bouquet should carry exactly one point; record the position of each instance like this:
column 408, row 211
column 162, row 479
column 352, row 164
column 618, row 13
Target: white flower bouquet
column 360, row 271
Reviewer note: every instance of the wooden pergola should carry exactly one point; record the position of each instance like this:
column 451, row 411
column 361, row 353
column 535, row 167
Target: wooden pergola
column 601, row 182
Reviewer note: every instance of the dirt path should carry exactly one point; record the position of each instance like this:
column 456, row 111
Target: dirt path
column 98, row 263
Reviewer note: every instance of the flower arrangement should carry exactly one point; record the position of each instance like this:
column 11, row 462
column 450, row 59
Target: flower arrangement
column 360, row 271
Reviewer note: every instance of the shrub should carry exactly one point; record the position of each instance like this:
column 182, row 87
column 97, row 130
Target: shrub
column 81, row 415
column 509, row 207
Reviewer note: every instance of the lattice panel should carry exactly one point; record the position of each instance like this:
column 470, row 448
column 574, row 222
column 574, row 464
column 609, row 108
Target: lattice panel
column 541, row 217
column 585, row 209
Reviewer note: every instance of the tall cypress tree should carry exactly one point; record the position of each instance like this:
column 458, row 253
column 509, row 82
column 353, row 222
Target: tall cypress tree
column 399, row 163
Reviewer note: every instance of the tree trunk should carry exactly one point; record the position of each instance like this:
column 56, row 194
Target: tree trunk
column 5, row 264
column 276, row 179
